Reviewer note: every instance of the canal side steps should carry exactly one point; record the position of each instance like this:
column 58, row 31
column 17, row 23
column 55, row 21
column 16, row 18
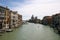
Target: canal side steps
column 2, row 31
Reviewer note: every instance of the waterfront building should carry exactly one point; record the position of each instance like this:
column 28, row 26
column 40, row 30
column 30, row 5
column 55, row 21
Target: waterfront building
column 2, row 15
column 56, row 21
column 47, row 20
column 19, row 19
column 9, row 19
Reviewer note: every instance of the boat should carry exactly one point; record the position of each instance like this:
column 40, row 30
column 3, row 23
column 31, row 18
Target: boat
column 9, row 30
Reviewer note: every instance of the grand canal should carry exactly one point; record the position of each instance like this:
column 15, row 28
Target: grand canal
column 31, row 31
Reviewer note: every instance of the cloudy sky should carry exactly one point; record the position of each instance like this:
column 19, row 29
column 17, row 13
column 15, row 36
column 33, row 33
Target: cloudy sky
column 27, row 8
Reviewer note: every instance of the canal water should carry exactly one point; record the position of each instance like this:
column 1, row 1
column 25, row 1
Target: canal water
column 31, row 31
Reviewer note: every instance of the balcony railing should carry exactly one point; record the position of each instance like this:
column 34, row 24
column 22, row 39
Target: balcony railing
column 1, row 17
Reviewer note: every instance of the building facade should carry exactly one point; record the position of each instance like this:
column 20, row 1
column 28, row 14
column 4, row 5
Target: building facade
column 2, row 15
column 14, row 19
column 19, row 19
column 9, row 19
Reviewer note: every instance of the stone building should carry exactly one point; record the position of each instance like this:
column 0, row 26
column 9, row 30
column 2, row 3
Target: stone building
column 56, row 21
column 2, row 16
column 9, row 18
column 47, row 20
column 14, row 19
column 19, row 19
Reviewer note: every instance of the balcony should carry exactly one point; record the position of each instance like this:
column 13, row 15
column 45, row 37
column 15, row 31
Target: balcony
column 1, row 17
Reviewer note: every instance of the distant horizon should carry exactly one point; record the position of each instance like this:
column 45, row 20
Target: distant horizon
column 27, row 8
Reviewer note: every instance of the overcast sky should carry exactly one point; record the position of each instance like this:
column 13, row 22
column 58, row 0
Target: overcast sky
column 27, row 8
